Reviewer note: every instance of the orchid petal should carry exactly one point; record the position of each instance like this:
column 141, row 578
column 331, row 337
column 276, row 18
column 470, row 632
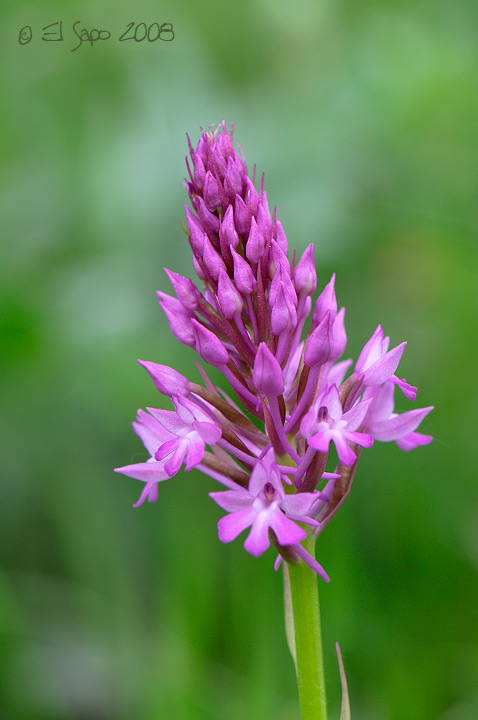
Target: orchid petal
column 232, row 500
column 230, row 526
column 147, row 472
column 399, row 425
column 286, row 530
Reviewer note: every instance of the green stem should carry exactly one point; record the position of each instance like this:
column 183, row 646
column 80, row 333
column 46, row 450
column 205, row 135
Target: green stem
column 305, row 636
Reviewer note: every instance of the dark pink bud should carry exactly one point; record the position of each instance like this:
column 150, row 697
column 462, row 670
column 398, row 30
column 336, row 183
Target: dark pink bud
column 210, row 222
column 216, row 155
column 281, row 238
column 340, row 338
column 185, row 290
column 179, row 320
column 227, row 140
column 228, row 230
column 211, row 299
column 211, row 193
column 199, row 172
column 196, row 232
column 240, row 164
column 209, row 346
column 255, row 243
column 277, row 258
column 241, row 217
column 198, row 269
column 326, row 302
column 283, row 313
column 167, row 381
column 281, row 279
column 252, row 197
column 233, row 179
column 305, row 277
column 264, row 222
column 263, row 198
column 173, row 303
column 243, row 275
column 320, row 343
column 267, row 374
column 203, row 148
column 229, row 298
column 213, row 262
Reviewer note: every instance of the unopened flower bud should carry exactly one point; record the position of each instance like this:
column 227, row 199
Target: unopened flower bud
column 232, row 180
column 252, row 197
column 267, row 375
column 283, row 312
column 199, row 172
column 196, row 233
column 186, row 292
column 241, row 217
column 211, row 193
column 339, row 335
column 282, row 279
column 264, row 222
column 305, row 276
column 255, row 243
column 277, row 258
column 229, row 298
column 326, row 302
column 213, row 262
column 281, row 238
column 209, row 347
column 208, row 219
column 179, row 320
column 167, row 380
column 320, row 343
column 243, row 275
column 228, row 230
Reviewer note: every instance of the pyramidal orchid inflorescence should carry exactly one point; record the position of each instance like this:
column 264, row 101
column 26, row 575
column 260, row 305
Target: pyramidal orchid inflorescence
column 268, row 445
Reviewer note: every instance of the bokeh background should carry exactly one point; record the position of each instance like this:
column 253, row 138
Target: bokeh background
column 364, row 118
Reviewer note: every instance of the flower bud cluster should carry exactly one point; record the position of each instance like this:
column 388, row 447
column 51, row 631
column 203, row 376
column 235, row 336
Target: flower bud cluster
column 248, row 322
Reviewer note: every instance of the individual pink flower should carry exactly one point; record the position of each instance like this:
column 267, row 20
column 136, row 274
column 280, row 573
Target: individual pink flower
column 262, row 506
column 191, row 428
column 331, row 424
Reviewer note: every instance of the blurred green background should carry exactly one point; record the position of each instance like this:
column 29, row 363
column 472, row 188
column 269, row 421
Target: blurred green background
column 364, row 118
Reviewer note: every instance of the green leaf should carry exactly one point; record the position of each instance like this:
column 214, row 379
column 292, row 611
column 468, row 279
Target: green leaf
column 345, row 710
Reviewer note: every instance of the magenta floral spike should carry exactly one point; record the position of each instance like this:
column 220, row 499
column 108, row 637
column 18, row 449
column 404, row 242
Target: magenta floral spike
column 266, row 435
column 267, row 438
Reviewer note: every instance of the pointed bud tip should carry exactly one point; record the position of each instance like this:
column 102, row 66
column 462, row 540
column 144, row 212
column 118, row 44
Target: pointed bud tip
column 267, row 374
